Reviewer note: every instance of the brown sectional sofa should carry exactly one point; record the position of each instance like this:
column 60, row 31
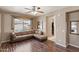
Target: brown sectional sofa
column 27, row 35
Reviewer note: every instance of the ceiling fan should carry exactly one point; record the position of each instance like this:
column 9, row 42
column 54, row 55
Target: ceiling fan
column 35, row 10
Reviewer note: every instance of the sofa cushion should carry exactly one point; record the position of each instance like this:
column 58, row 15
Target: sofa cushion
column 24, row 36
column 40, row 37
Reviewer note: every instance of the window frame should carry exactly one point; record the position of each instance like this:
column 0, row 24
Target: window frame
column 23, row 24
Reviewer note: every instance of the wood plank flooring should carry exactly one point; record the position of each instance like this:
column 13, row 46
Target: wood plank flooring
column 33, row 45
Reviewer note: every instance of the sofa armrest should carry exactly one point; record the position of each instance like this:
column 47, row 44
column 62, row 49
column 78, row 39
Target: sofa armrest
column 12, row 36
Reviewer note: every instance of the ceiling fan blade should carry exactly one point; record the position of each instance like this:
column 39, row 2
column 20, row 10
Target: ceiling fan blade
column 29, row 12
column 27, row 9
column 40, row 11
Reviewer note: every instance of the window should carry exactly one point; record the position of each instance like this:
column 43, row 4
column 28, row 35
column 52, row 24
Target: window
column 74, row 27
column 22, row 25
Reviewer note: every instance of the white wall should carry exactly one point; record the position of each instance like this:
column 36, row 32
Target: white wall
column 6, row 27
column 60, row 28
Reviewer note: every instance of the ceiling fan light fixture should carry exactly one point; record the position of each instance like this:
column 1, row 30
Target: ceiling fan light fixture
column 34, row 12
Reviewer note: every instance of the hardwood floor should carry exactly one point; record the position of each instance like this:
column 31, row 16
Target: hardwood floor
column 33, row 45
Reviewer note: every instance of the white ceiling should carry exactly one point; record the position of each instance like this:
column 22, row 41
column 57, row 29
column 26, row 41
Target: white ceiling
column 21, row 10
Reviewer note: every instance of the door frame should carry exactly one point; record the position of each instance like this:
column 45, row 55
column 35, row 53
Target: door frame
column 68, row 26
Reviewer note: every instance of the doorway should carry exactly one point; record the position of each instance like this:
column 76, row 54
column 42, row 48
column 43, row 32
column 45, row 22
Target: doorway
column 53, row 28
column 50, row 28
column 72, row 28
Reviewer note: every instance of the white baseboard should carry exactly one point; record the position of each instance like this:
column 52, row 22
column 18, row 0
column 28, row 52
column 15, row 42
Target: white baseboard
column 61, row 44
column 74, row 45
